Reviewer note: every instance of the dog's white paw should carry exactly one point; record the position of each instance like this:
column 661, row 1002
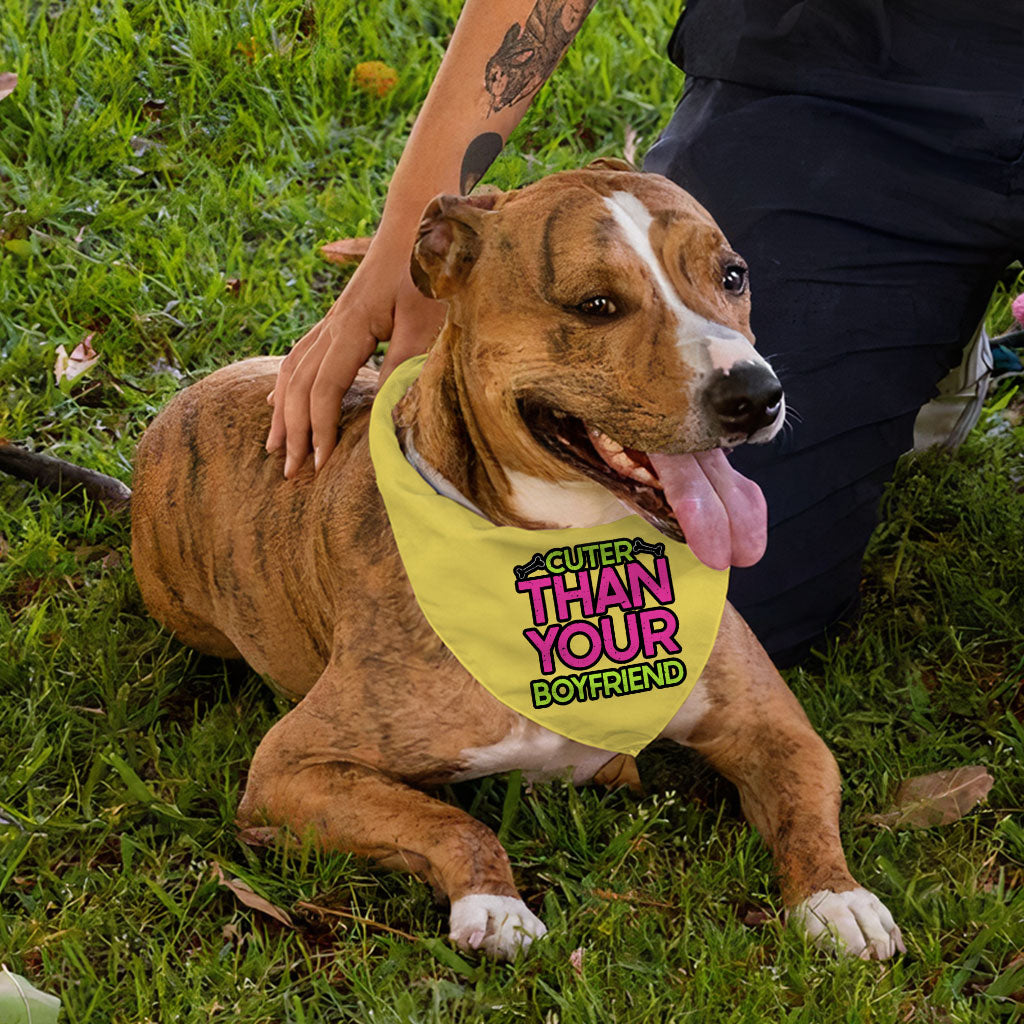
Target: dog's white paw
column 855, row 922
column 501, row 926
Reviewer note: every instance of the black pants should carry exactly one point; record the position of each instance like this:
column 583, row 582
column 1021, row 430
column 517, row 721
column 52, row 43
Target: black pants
column 874, row 237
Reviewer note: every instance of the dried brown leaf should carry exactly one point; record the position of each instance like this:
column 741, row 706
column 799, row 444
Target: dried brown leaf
column 259, row 835
column 576, row 961
column 936, row 799
column 68, row 367
column 244, row 894
column 629, row 150
column 84, row 350
column 8, row 81
column 346, row 250
column 755, row 917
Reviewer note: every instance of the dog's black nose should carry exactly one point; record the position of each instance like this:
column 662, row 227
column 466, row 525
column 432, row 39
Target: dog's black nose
column 745, row 399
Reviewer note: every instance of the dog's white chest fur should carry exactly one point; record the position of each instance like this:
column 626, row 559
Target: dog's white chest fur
column 542, row 754
column 538, row 752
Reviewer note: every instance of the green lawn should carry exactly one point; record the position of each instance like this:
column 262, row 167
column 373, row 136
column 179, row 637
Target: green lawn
column 167, row 170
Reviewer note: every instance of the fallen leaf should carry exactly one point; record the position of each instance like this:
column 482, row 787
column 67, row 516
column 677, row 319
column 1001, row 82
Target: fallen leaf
column 576, row 961
column 8, row 80
column 375, row 76
column 22, row 1003
column 755, row 917
column 346, row 250
column 68, row 367
column 629, row 150
column 259, row 835
column 936, row 799
column 232, row 286
column 244, row 894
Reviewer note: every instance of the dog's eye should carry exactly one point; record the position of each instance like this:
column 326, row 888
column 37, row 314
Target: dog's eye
column 734, row 278
column 597, row 305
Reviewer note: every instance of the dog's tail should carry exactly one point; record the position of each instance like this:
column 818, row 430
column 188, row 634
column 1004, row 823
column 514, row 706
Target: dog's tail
column 62, row 477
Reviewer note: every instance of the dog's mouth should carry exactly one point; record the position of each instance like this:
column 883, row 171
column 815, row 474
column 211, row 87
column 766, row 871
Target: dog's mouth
column 697, row 497
column 626, row 472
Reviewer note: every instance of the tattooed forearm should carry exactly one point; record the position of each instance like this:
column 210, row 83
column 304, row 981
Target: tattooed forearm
column 527, row 56
column 529, row 52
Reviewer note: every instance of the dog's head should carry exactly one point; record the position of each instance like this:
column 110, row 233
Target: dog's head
column 600, row 323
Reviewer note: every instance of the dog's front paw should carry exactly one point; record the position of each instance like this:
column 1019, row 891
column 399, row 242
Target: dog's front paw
column 855, row 922
column 501, row 926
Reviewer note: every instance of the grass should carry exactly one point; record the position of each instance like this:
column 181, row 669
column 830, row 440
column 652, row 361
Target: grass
column 167, row 169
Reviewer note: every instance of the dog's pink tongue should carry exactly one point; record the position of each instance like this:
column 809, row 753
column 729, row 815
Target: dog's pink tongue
column 723, row 514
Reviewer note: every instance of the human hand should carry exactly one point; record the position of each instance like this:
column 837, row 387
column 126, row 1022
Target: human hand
column 380, row 303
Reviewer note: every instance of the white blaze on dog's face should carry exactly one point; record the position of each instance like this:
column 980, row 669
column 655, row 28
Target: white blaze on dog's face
column 705, row 343
column 614, row 326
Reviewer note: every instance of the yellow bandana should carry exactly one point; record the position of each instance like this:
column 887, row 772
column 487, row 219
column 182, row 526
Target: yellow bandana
column 597, row 633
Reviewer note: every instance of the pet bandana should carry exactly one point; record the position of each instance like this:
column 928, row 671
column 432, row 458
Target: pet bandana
column 597, row 633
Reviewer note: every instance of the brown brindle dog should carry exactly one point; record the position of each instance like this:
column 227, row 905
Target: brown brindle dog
column 593, row 317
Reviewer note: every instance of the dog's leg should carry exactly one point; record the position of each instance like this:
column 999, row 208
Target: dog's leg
column 747, row 723
column 298, row 779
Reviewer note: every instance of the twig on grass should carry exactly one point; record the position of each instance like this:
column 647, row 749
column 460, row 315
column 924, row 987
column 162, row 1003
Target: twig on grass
column 60, row 477
column 630, row 897
column 349, row 916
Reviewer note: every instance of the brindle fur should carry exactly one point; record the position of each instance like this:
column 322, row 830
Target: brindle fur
column 302, row 577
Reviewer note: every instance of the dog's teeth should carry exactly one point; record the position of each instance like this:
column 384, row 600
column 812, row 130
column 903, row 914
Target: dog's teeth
column 603, row 443
column 641, row 474
column 615, row 456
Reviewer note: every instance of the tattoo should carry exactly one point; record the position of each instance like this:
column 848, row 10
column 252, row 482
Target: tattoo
column 480, row 154
column 529, row 52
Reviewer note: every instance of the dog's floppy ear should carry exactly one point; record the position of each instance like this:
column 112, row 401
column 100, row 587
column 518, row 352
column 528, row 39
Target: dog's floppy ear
column 610, row 163
column 449, row 242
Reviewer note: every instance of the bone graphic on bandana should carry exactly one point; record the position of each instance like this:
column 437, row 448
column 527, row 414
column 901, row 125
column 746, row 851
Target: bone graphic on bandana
column 640, row 546
column 535, row 563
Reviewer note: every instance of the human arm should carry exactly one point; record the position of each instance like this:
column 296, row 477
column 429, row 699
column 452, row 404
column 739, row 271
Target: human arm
column 499, row 56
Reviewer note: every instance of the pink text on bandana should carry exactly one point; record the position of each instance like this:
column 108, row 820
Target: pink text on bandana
column 572, row 629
